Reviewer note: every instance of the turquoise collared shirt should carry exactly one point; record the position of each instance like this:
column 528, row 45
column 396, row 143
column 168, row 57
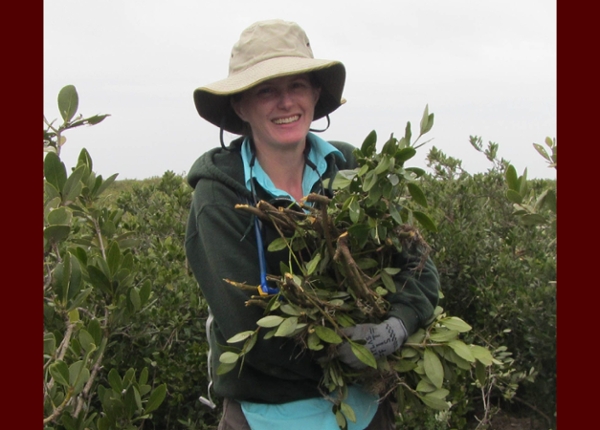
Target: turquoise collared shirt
column 318, row 151
column 312, row 413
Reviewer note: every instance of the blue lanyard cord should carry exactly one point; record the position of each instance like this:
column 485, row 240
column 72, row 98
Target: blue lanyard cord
column 264, row 289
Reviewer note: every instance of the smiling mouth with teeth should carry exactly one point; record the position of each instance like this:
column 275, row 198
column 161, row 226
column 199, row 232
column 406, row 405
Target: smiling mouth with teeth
column 287, row 120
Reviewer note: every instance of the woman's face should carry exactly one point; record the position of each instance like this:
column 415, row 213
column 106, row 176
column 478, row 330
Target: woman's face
column 279, row 110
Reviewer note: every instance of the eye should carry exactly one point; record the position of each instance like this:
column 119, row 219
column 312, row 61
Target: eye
column 265, row 91
column 300, row 84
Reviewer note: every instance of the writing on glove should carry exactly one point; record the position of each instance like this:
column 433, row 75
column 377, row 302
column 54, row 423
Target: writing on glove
column 381, row 339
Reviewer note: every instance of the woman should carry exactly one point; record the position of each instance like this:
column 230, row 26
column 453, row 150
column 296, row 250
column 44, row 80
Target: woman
column 274, row 91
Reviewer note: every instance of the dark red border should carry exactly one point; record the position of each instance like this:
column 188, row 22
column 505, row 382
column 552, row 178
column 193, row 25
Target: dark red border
column 577, row 292
column 22, row 89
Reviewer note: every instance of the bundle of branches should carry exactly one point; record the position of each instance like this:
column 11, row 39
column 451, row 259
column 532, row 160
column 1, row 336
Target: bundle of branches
column 340, row 271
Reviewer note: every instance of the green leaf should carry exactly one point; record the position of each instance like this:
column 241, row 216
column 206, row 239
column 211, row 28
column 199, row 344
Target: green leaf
column 348, row 412
column 430, row 120
column 96, row 119
column 313, row 264
column 462, row 350
column 482, row 355
column 443, row 335
column 388, row 281
column 270, row 321
column 60, row 372
column 85, row 159
column 134, row 298
column 363, row 354
column 115, row 381
column 369, row 181
column 426, row 121
column 513, row 196
column 49, row 343
column 455, row 323
column 78, row 376
column 341, row 420
column 229, row 357
column 277, row 245
column 68, row 102
column 434, row 403
column 542, row 151
column 404, row 155
column 240, row 336
column 417, row 194
column 145, row 291
column 394, row 210
column 129, row 402
column 327, row 334
column 105, row 184
column 52, row 196
column 389, row 148
column 156, row 398
column 86, row 340
column 417, row 337
column 287, row 327
column 94, row 329
column 313, row 342
column 425, row 386
column 60, row 216
column 523, row 188
column 223, row 368
column 343, row 179
column 425, row 221
column 354, row 211
column 416, row 171
column 433, row 367
column 99, row 280
column 512, row 179
column 113, row 258
column 55, row 171
column 73, row 186
column 440, row 393
column 403, row 366
column 369, row 144
column 547, row 200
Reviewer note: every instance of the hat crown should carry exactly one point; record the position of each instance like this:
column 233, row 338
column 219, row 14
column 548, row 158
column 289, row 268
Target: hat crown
column 264, row 40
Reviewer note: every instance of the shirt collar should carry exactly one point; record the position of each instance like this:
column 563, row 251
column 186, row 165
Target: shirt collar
column 319, row 149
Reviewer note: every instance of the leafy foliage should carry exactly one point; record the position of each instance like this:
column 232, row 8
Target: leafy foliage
column 90, row 292
column 499, row 273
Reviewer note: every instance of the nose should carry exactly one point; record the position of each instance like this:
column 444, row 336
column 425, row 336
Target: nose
column 285, row 99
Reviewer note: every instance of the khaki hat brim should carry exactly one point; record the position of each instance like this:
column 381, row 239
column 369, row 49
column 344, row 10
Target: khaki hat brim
column 212, row 101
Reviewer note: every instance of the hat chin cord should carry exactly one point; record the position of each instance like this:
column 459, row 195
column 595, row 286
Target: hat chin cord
column 221, row 134
column 321, row 131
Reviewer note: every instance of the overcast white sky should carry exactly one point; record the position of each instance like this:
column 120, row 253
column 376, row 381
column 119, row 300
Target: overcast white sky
column 484, row 67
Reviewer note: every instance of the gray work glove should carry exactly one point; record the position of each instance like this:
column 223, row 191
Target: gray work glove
column 381, row 339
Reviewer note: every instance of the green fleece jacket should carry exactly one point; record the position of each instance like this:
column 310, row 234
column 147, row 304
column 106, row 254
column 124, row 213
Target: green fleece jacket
column 220, row 244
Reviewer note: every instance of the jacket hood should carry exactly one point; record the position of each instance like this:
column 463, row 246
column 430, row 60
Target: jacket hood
column 221, row 165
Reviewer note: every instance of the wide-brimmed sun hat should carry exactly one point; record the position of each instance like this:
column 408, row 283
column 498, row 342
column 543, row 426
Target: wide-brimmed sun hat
column 266, row 50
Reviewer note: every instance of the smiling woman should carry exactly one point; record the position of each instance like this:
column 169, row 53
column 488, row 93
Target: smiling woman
column 274, row 91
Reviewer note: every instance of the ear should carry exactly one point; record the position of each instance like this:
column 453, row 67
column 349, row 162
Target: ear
column 237, row 107
column 317, row 94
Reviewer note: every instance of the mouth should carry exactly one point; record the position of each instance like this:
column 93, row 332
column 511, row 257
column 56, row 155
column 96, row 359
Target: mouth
column 287, row 120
